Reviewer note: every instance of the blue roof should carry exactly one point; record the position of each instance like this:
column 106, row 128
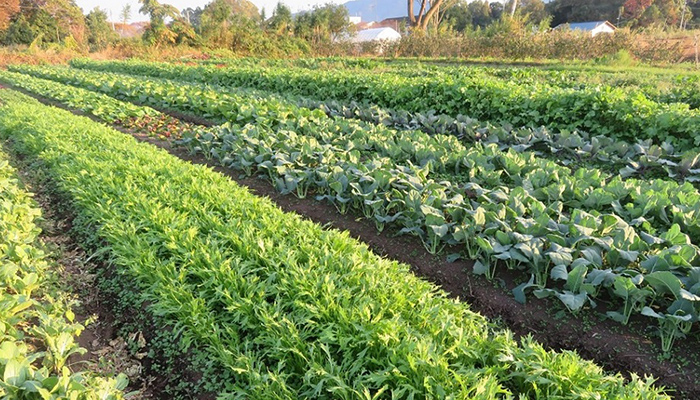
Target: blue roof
column 585, row 26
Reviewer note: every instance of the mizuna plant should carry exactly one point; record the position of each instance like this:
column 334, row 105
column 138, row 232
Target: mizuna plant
column 105, row 108
column 287, row 309
column 37, row 328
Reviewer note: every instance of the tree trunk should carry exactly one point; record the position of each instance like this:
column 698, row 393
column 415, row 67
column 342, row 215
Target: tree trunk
column 424, row 17
column 515, row 5
column 434, row 8
column 684, row 7
column 420, row 21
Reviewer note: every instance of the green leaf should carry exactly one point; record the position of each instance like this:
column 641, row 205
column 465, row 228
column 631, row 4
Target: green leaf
column 480, row 268
column 575, row 279
column 664, row 282
column 559, row 272
column 519, row 291
column 16, row 372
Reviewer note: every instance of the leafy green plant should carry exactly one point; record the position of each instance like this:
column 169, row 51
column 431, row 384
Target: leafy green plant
column 37, row 331
column 292, row 310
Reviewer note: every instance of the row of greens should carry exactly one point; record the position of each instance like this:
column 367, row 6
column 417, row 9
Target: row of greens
column 37, row 328
column 608, row 110
column 592, row 252
column 658, row 85
column 601, row 232
column 671, row 88
column 642, row 158
column 663, row 203
column 101, row 106
column 284, row 308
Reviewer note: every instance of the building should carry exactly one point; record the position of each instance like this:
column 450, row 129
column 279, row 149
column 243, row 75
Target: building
column 594, row 27
column 376, row 34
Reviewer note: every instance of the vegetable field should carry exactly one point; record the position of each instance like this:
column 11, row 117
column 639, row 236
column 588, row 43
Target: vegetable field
column 576, row 191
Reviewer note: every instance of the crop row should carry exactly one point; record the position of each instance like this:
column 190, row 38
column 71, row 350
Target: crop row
column 611, row 111
column 566, row 148
column 662, row 88
column 525, row 228
column 661, row 202
column 284, row 308
column 640, row 157
column 106, row 108
column 37, row 328
column 597, row 255
column 659, row 86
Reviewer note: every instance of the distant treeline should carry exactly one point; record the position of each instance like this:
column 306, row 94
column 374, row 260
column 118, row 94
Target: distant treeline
column 445, row 28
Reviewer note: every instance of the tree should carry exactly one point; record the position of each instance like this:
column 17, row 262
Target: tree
column 670, row 11
column 651, row 16
column 685, row 11
column 220, row 16
column 634, row 9
column 52, row 20
column 323, row 23
column 241, row 8
column 655, row 12
column 459, row 17
column 184, row 32
column 281, row 21
column 19, row 31
column 216, row 19
column 534, row 11
column 427, row 11
column 99, row 33
column 193, row 16
column 7, row 10
column 157, row 33
column 496, row 10
column 68, row 18
column 480, row 11
column 565, row 11
column 125, row 15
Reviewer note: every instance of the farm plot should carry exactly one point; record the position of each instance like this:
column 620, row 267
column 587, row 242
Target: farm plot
column 627, row 243
column 282, row 308
column 610, row 111
column 221, row 104
column 38, row 333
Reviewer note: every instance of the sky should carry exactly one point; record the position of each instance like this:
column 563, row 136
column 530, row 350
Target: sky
column 115, row 6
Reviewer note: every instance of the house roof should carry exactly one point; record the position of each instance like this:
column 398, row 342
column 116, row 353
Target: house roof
column 586, row 26
column 369, row 35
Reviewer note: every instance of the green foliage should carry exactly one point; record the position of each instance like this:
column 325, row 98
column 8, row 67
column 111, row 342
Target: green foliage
column 622, row 58
column 564, row 11
column 290, row 310
column 19, row 32
column 606, row 110
column 281, row 21
column 158, row 33
column 99, row 32
column 50, row 20
column 37, row 331
column 579, row 221
column 322, row 24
